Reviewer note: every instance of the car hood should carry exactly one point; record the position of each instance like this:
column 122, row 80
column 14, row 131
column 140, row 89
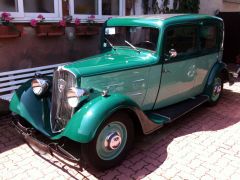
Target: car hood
column 114, row 60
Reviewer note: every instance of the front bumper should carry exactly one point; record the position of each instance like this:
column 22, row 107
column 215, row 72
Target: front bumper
column 55, row 149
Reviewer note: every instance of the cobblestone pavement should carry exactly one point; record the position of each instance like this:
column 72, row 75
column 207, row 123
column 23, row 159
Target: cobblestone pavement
column 205, row 144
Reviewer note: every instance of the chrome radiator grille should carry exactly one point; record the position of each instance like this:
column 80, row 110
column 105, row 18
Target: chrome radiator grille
column 61, row 112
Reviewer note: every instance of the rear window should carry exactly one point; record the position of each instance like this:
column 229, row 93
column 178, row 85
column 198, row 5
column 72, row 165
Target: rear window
column 208, row 37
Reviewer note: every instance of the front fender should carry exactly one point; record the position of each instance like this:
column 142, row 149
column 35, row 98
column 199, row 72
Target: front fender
column 85, row 122
column 215, row 71
column 35, row 109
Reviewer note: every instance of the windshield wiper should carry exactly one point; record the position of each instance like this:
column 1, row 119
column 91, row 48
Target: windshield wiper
column 132, row 46
column 110, row 43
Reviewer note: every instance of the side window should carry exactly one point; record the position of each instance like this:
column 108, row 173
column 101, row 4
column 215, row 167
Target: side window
column 208, row 37
column 182, row 39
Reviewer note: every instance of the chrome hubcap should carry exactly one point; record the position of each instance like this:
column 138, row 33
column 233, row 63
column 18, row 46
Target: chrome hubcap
column 217, row 89
column 113, row 141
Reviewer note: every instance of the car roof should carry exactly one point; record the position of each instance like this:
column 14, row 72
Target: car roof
column 157, row 20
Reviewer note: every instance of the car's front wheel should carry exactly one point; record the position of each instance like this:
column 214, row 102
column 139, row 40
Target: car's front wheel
column 216, row 90
column 111, row 143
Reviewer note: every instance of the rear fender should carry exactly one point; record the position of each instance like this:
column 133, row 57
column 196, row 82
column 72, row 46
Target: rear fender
column 218, row 69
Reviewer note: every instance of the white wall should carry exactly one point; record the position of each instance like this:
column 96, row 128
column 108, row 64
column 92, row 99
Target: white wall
column 210, row 6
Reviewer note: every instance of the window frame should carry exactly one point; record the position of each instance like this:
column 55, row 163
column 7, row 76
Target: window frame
column 120, row 11
column 98, row 17
column 57, row 15
column 22, row 16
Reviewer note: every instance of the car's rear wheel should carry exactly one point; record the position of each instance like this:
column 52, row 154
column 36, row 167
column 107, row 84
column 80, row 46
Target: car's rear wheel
column 111, row 143
column 216, row 91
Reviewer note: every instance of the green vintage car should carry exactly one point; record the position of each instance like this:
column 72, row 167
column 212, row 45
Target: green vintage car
column 151, row 70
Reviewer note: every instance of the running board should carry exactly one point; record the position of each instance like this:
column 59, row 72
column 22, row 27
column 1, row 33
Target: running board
column 171, row 113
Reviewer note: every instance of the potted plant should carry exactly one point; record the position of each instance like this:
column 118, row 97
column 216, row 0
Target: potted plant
column 7, row 28
column 88, row 29
column 57, row 29
column 41, row 29
column 48, row 29
column 79, row 30
column 91, row 28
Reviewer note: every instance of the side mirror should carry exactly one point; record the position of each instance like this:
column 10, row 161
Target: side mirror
column 172, row 53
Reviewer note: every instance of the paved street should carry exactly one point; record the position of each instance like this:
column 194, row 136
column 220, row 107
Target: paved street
column 204, row 144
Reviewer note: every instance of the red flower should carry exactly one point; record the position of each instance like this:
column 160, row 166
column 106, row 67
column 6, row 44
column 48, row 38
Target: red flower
column 5, row 15
column 77, row 22
column 8, row 19
column 33, row 22
column 62, row 23
column 41, row 17
column 92, row 17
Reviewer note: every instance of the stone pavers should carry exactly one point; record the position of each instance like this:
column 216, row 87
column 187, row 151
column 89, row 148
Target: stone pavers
column 205, row 144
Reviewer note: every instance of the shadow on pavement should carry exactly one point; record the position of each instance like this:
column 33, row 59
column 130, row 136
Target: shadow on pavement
column 4, row 107
column 9, row 137
column 150, row 152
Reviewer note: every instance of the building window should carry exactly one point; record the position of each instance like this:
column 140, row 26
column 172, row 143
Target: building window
column 10, row 6
column 85, row 7
column 25, row 10
column 38, row 6
column 50, row 9
column 14, row 7
column 110, row 7
column 102, row 9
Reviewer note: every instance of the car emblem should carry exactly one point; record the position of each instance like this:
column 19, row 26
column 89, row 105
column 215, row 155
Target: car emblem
column 61, row 85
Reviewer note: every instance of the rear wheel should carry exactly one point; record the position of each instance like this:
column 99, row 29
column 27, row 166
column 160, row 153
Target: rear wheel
column 216, row 91
column 111, row 143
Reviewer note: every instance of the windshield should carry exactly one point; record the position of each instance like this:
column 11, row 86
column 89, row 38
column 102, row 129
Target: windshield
column 134, row 37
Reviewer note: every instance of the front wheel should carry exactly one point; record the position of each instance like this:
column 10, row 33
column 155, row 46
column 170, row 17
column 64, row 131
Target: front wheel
column 111, row 143
column 216, row 91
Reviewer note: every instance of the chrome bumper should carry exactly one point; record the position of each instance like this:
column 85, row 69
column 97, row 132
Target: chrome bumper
column 53, row 148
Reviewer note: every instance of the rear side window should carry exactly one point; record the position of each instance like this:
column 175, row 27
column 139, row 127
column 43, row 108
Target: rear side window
column 208, row 37
column 182, row 39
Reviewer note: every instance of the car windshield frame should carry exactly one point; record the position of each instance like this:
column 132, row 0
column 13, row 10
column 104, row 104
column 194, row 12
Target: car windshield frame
column 128, row 42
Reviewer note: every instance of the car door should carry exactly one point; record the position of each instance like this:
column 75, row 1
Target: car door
column 210, row 40
column 179, row 65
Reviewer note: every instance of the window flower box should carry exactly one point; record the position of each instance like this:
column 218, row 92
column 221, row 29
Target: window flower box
column 86, row 30
column 49, row 30
column 92, row 30
column 42, row 30
column 11, row 31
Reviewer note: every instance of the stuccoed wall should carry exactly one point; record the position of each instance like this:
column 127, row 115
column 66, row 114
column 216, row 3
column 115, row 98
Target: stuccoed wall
column 30, row 51
column 210, row 6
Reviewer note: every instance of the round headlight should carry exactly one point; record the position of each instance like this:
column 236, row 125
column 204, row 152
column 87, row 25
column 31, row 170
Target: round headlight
column 73, row 96
column 40, row 86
